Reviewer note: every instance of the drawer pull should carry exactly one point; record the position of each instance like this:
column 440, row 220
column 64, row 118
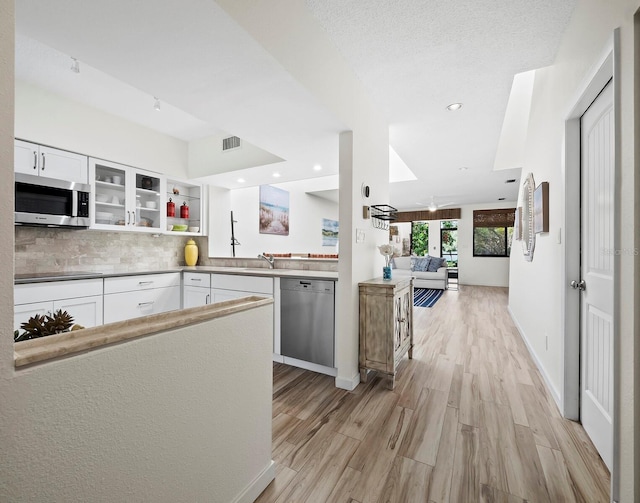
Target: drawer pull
column 207, row 299
column 142, row 283
column 196, row 279
column 144, row 304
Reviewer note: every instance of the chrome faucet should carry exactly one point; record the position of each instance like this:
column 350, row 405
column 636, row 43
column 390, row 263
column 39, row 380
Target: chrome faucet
column 269, row 259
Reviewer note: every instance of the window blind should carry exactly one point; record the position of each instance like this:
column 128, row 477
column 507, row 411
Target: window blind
column 503, row 217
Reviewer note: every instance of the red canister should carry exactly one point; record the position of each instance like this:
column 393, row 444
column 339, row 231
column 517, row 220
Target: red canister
column 184, row 210
column 171, row 208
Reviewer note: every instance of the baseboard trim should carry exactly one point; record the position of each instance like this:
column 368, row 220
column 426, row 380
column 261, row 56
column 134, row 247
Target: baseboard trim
column 550, row 387
column 257, row 485
column 348, row 384
column 321, row 369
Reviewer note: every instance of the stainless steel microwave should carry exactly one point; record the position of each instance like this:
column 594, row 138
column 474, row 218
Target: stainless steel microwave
column 54, row 203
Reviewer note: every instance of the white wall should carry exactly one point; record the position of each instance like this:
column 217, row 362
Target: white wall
column 174, row 416
column 485, row 271
column 50, row 119
column 7, row 51
column 305, row 221
column 537, row 288
column 206, row 157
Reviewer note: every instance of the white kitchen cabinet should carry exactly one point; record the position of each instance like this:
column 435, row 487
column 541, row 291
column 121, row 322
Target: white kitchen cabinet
column 251, row 285
column 196, row 289
column 34, row 159
column 22, row 312
column 185, row 193
column 126, row 198
column 194, row 296
column 128, row 297
column 82, row 299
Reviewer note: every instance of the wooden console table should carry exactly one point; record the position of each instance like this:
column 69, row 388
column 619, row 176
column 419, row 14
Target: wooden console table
column 386, row 325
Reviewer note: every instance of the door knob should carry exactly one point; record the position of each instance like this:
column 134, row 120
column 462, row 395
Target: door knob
column 579, row 285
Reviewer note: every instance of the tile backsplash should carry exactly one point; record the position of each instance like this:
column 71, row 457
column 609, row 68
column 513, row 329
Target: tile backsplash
column 42, row 249
column 51, row 250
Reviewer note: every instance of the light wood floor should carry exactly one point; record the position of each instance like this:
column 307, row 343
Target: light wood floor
column 469, row 420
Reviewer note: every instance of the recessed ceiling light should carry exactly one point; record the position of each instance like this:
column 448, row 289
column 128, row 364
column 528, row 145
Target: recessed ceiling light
column 241, row 180
column 454, row 106
column 276, row 175
column 510, row 180
column 156, row 104
column 75, row 66
column 317, row 167
column 463, row 168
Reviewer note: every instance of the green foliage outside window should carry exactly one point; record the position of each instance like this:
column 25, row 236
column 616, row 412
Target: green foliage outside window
column 492, row 241
column 449, row 241
column 419, row 238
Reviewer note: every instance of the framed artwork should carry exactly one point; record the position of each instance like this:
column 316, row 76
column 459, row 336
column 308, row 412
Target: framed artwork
column 541, row 208
column 329, row 232
column 274, row 211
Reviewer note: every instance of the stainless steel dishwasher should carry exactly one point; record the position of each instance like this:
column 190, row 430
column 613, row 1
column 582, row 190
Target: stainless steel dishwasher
column 307, row 320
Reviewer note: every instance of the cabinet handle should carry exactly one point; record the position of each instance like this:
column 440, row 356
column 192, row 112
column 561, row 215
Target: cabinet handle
column 128, row 217
column 143, row 304
column 35, row 160
column 145, row 283
column 196, row 279
column 43, row 161
column 207, row 299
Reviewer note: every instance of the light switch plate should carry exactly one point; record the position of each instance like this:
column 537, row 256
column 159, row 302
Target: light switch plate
column 359, row 235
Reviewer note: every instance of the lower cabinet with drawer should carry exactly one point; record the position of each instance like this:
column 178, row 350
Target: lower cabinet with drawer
column 128, row 297
column 196, row 289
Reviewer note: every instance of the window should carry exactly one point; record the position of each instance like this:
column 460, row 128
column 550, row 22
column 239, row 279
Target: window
column 419, row 238
column 493, row 232
column 449, row 242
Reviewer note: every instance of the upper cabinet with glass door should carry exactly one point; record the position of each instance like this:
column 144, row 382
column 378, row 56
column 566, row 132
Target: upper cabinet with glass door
column 184, row 207
column 125, row 198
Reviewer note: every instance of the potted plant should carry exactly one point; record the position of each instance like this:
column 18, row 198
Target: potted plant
column 43, row 325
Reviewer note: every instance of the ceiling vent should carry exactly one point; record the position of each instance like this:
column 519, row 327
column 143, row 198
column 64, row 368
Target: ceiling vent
column 230, row 143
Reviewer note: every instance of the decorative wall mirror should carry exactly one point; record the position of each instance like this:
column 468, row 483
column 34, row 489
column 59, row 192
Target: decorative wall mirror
column 528, row 233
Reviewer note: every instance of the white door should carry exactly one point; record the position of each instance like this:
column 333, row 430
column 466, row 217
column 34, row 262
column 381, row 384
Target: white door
column 597, row 249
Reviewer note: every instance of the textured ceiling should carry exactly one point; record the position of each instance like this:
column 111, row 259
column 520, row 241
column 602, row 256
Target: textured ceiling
column 413, row 56
column 418, row 56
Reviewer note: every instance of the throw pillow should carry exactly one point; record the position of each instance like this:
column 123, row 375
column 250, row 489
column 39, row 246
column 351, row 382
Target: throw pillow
column 435, row 264
column 422, row 264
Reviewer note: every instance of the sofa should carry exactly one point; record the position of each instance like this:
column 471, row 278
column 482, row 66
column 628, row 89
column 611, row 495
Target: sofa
column 428, row 272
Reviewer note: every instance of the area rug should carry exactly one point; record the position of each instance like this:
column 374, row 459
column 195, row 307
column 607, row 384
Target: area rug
column 426, row 297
